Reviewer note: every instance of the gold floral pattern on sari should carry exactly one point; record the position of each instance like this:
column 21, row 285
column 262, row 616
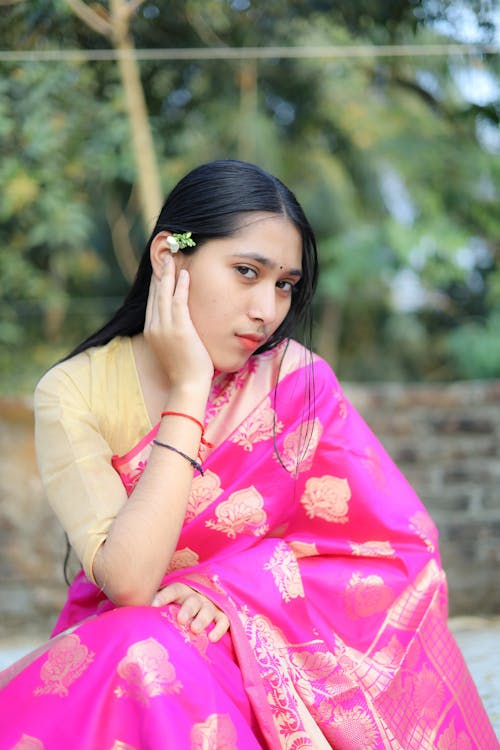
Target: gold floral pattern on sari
column 374, row 673
column 411, row 605
column 367, row 595
column 226, row 385
column 242, row 512
column 373, row 548
column 183, row 558
column 311, row 666
column 204, row 490
column 147, row 672
column 427, row 693
column 131, row 478
column 28, row 743
column 390, row 655
column 328, row 498
column 261, row 425
column 373, row 464
column 66, row 660
column 300, row 681
column 285, row 571
column 119, row 745
column 416, row 700
column 450, row 740
column 353, row 727
column 303, row 549
column 342, row 405
column 269, row 646
column 299, row 446
column 422, row 524
column 217, row 732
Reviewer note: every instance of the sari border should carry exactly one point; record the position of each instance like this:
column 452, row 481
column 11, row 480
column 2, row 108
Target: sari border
column 117, row 460
column 252, row 679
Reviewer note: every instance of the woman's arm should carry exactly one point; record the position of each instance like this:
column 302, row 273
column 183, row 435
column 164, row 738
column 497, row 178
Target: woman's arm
column 125, row 545
column 82, row 487
column 132, row 561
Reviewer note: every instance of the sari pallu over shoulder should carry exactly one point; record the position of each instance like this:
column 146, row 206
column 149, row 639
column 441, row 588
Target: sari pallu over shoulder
column 306, row 534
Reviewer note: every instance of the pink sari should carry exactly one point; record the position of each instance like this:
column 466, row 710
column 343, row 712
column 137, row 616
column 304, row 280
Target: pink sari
column 327, row 566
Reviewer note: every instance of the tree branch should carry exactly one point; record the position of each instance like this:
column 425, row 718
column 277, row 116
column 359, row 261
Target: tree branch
column 120, row 237
column 201, row 27
column 430, row 100
column 133, row 5
column 90, row 17
column 124, row 11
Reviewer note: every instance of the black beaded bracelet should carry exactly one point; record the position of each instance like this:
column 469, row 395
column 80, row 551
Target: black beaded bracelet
column 195, row 464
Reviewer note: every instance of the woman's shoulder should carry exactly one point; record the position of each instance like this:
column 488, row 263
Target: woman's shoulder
column 80, row 373
column 298, row 357
column 291, row 360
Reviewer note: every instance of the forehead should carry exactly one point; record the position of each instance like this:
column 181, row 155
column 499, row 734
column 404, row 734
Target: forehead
column 270, row 234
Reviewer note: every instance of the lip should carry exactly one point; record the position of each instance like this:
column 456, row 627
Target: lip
column 250, row 341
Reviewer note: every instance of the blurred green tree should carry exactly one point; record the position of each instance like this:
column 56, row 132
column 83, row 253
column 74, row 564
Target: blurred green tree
column 394, row 158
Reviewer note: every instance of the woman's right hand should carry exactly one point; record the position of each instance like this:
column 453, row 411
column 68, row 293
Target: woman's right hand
column 196, row 611
column 169, row 330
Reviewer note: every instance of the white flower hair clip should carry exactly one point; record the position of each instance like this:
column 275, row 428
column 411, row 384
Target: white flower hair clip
column 178, row 241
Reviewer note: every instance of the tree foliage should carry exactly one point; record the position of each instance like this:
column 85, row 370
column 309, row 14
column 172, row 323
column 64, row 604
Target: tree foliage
column 394, row 158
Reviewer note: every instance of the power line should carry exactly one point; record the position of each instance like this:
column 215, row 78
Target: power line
column 251, row 53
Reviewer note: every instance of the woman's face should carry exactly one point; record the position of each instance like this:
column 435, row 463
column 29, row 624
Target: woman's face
column 241, row 286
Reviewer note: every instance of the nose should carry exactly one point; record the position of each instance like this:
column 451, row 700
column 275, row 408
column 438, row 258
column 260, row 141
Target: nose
column 263, row 304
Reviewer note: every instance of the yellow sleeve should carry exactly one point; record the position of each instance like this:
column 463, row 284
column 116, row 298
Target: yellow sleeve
column 74, row 458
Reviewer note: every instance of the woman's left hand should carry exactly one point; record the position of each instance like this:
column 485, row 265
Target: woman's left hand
column 195, row 609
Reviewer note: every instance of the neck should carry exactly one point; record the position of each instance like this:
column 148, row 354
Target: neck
column 151, row 375
column 155, row 385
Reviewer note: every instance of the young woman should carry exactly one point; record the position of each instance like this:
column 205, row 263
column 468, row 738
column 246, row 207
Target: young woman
column 256, row 573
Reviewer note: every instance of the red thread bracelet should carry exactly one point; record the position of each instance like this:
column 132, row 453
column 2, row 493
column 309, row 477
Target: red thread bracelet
column 181, row 414
column 192, row 419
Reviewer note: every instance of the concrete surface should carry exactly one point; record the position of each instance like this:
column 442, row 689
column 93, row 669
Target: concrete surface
column 479, row 640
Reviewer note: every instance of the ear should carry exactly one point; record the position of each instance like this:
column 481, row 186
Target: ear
column 159, row 249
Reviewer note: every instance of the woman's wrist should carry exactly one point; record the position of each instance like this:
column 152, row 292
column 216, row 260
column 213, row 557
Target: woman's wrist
column 190, row 398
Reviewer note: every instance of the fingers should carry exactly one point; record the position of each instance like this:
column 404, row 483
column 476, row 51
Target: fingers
column 174, row 592
column 156, row 284
column 167, row 297
column 166, row 288
column 207, row 614
column 221, row 626
column 196, row 611
column 151, row 304
column 170, row 332
column 179, row 301
column 182, row 287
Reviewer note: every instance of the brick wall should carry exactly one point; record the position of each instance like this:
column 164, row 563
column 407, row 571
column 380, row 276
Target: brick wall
column 445, row 438
column 31, row 540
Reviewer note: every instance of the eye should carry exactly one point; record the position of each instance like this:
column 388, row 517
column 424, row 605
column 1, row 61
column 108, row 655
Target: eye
column 246, row 271
column 286, row 286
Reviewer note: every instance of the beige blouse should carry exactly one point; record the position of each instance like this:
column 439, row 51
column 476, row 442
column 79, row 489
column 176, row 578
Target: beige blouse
column 87, row 409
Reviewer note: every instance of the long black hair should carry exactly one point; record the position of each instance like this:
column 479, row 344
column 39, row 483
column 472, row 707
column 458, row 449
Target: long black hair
column 208, row 202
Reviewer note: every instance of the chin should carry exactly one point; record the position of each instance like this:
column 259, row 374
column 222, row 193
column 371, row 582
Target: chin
column 229, row 366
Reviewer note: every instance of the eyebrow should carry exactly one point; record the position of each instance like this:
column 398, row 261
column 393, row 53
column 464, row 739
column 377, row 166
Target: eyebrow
column 268, row 263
